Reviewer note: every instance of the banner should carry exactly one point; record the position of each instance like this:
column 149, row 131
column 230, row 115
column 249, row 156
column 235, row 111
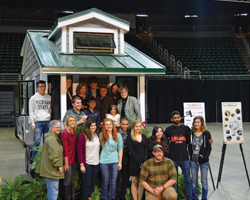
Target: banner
column 196, row 108
column 232, row 122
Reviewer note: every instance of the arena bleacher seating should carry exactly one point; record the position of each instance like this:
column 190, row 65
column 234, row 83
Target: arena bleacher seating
column 211, row 56
column 137, row 43
column 10, row 48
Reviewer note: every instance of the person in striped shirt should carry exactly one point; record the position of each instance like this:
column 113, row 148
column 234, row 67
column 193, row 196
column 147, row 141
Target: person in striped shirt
column 157, row 176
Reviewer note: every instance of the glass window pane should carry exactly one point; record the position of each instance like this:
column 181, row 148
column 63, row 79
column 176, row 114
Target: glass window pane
column 94, row 41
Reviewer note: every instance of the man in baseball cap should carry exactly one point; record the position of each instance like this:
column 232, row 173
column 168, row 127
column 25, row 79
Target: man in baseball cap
column 157, row 176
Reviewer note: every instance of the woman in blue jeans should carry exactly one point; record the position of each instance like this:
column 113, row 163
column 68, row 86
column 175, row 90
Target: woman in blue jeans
column 88, row 150
column 200, row 150
column 110, row 158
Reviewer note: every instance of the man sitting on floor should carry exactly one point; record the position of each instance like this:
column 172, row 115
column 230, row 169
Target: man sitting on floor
column 157, row 176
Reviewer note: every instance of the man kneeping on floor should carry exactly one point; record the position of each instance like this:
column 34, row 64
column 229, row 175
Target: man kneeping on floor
column 157, row 176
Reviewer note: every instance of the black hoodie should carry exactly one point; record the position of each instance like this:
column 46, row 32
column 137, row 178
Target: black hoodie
column 205, row 148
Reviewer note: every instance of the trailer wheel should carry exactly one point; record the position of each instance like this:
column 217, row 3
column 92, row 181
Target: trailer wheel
column 16, row 133
column 24, row 144
column 28, row 156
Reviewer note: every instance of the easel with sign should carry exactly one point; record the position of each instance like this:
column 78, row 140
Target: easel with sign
column 222, row 162
column 232, row 131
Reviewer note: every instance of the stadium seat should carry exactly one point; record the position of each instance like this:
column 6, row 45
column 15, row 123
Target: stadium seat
column 217, row 55
column 10, row 48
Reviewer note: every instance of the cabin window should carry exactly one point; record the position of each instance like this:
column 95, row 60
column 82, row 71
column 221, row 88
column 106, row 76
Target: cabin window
column 94, row 42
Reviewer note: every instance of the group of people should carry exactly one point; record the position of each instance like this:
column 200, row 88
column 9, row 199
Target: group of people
column 109, row 144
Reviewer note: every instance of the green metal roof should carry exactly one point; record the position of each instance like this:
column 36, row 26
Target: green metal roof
column 52, row 60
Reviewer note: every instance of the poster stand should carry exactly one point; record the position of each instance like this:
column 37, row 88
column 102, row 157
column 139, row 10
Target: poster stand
column 211, row 176
column 222, row 162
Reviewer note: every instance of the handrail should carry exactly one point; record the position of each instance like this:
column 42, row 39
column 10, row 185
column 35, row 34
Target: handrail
column 196, row 71
column 179, row 64
column 141, row 30
column 26, row 22
column 163, row 76
column 172, row 60
column 165, row 55
column 10, row 77
column 217, row 77
column 160, row 51
column 141, row 34
column 155, row 45
column 186, row 72
column 192, row 28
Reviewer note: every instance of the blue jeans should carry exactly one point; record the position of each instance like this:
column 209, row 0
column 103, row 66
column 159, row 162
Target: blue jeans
column 194, row 171
column 52, row 188
column 41, row 129
column 109, row 174
column 89, row 178
column 185, row 167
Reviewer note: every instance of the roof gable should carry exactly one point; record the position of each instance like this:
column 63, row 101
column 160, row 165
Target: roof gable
column 52, row 60
column 89, row 14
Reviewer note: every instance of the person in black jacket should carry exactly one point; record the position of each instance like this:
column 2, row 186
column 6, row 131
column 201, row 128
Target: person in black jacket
column 103, row 103
column 69, row 92
column 200, row 149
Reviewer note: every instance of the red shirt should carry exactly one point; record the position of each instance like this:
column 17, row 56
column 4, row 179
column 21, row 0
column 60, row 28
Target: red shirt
column 81, row 149
column 69, row 146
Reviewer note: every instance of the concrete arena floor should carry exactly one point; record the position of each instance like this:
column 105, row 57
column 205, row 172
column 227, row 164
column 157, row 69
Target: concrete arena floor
column 233, row 186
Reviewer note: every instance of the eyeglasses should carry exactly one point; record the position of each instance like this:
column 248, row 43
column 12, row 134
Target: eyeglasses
column 42, row 86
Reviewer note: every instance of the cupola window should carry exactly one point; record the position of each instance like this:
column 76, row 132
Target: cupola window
column 94, row 42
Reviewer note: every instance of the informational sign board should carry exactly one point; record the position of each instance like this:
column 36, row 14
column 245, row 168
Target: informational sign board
column 232, row 122
column 196, row 108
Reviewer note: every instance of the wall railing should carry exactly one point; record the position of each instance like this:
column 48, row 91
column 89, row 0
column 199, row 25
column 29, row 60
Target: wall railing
column 10, row 77
column 26, row 22
column 192, row 28
column 201, row 77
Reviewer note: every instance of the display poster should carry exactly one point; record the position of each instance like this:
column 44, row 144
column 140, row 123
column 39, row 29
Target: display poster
column 196, row 109
column 232, row 122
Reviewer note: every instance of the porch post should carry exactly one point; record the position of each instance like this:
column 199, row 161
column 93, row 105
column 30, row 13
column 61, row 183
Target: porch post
column 142, row 97
column 63, row 95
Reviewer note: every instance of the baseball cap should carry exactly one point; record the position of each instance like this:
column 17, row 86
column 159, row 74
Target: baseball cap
column 157, row 146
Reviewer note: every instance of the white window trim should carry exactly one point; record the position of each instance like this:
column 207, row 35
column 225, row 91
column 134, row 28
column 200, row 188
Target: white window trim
column 91, row 30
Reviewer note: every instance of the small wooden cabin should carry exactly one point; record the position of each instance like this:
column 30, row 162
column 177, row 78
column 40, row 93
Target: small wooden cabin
column 85, row 44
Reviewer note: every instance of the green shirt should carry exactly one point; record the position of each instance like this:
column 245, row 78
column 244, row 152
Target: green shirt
column 109, row 152
column 78, row 116
column 157, row 174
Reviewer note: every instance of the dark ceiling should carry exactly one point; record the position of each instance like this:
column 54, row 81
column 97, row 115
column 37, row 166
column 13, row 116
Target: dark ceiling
column 136, row 6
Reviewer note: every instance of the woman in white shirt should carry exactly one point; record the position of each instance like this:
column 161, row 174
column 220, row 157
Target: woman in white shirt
column 88, row 156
